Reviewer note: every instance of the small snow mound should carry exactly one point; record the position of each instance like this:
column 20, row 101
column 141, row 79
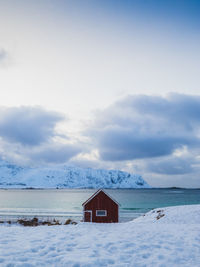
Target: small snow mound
column 177, row 215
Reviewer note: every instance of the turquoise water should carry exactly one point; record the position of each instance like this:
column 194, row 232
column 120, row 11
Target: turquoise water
column 67, row 203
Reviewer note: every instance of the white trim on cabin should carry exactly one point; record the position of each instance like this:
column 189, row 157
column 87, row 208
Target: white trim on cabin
column 105, row 214
column 97, row 192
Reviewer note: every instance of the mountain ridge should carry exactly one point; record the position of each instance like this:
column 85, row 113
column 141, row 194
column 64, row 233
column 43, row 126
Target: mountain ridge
column 64, row 176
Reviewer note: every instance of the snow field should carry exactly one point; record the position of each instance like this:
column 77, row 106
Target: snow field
column 159, row 242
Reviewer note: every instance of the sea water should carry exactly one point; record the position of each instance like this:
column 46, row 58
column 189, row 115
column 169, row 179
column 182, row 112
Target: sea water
column 62, row 204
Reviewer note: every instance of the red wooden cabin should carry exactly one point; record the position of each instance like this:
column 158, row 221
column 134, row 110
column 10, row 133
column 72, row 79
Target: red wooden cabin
column 100, row 208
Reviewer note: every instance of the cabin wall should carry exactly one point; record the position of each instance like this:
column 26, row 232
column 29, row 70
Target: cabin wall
column 103, row 202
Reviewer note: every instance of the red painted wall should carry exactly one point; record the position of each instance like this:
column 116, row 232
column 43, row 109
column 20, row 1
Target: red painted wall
column 102, row 202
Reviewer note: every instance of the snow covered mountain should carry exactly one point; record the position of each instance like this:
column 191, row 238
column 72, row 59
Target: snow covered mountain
column 63, row 176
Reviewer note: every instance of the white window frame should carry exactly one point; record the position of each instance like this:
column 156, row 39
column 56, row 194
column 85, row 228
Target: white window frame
column 101, row 215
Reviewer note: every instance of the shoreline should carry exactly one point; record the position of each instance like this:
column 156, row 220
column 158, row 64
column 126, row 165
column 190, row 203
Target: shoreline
column 89, row 188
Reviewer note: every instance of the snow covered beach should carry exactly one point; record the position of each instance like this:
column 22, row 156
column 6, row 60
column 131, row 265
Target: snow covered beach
column 163, row 237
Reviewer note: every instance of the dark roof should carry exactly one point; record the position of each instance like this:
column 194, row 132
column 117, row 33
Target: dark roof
column 95, row 194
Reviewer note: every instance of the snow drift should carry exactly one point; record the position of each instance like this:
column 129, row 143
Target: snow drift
column 186, row 214
column 136, row 243
column 63, row 176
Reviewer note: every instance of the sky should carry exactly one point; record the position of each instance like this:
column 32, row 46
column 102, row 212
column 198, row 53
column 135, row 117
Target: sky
column 102, row 84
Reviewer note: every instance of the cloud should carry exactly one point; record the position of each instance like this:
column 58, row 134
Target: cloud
column 121, row 144
column 170, row 166
column 54, row 153
column 28, row 125
column 3, row 55
column 85, row 163
column 147, row 126
column 28, row 136
column 47, row 153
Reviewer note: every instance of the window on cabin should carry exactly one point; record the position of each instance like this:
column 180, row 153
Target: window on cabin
column 101, row 212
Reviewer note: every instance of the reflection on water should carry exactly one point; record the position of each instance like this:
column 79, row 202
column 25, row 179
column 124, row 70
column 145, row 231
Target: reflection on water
column 67, row 203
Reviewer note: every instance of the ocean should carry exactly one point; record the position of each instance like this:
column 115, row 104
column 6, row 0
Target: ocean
column 62, row 204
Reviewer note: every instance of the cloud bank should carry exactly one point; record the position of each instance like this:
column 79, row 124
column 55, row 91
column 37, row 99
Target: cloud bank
column 171, row 166
column 29, row 134
column 155, row 136
column 28, row 125
column 147, row 126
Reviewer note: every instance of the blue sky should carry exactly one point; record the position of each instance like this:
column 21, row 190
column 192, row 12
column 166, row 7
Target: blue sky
column 103, row 84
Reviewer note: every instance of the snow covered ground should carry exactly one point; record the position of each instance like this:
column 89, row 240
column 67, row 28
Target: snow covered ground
column 163, row 237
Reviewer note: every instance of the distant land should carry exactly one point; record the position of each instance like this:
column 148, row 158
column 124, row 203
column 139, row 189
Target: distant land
column 63, row 176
